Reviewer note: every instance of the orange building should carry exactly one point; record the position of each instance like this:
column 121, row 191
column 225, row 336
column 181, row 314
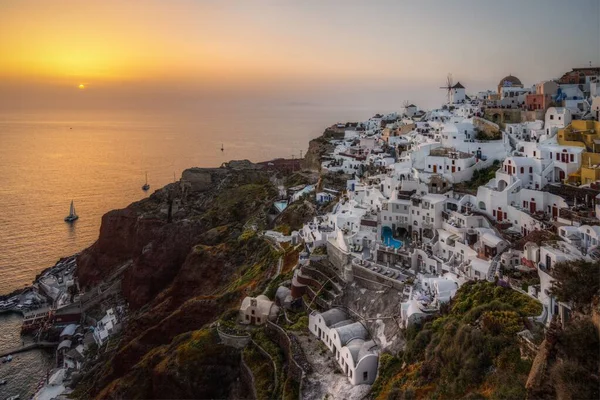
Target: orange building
column 537, row 101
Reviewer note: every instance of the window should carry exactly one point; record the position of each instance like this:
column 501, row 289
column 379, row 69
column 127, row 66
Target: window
column 248, row 317
column 252, row 312
column 531, row 168
column 534, row 152
column 571, row 157
column 365, row 375
column 522, row 170
column 551, row 116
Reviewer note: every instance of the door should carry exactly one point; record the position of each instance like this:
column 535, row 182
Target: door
column 434, row 169
column 554, row 212
column 532, row 207
column 453, row 169
column 499, row 214
column 252, row 320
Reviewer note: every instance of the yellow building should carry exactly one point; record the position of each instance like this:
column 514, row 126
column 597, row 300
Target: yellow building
column 583, row 134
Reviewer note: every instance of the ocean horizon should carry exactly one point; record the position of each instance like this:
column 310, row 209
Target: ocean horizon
column 99, row 160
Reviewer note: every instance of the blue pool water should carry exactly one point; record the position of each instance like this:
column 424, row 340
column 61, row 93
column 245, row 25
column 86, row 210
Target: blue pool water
column 388, row 239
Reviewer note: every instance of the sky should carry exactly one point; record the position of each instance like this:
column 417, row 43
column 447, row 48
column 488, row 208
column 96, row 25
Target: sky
column 156, row 53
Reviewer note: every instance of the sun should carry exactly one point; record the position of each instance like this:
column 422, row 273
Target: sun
column 81, row 86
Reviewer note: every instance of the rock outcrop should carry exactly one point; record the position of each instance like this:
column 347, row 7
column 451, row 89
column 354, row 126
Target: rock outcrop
column 179, row 275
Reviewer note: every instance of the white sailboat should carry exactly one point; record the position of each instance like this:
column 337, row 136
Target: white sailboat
column 146, row 186
column 72, row 214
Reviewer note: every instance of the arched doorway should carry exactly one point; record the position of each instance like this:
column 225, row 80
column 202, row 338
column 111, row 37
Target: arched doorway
column 502, row 185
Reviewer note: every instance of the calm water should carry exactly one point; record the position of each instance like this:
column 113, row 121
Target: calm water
column 99, row 161
column 26, row 370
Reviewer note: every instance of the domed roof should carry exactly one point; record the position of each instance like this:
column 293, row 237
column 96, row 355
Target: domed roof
column 511, row 80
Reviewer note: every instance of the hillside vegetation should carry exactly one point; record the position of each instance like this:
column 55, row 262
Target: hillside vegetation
column 470, row 350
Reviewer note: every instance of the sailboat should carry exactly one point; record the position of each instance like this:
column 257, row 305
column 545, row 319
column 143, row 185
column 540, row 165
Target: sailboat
column 146, row 186
column 222, row 148
column 72, row 214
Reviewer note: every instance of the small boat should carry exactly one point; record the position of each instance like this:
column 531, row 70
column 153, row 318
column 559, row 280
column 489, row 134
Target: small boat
column 72, row 214
column 146, row 186
column 3, row 382
column 222, row 148
column 8, row 358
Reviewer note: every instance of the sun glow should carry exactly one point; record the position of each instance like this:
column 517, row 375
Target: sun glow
column 81, row 86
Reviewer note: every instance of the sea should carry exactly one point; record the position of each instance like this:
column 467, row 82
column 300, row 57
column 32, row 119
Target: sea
column 99, row 159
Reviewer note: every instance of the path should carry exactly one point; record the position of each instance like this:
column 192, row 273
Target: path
column 28, row 347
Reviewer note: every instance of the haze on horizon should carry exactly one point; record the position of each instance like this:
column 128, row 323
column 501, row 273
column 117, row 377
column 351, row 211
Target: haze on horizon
column 162, row 54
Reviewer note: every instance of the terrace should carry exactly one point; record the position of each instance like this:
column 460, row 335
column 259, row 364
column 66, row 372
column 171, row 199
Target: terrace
column 449, row 153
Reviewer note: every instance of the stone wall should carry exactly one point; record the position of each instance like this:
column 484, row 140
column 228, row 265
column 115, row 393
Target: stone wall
column 298, row 366
column 338, row 258
column 374, row 281
column 275, row 371
column 535, row 115
column 488, row 127
column 247, row 377
column 239, row 342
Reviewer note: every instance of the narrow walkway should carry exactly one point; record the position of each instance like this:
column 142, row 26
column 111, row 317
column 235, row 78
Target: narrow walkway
column 28, row 347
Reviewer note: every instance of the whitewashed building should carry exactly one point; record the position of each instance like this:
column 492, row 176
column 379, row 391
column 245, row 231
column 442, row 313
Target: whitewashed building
column 353, row 350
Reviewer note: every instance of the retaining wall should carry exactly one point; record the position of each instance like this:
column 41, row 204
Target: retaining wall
column 239, row 342
column 247, row 377
column 298, row 366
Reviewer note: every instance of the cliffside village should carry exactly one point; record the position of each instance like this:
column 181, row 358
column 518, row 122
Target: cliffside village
column 411, row 218
column 499, row 186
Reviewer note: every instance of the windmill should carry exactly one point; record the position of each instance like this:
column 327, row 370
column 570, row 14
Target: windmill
column 405, row 105
column 448, row 87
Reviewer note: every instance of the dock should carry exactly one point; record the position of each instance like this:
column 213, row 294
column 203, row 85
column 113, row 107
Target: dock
column 31, row 346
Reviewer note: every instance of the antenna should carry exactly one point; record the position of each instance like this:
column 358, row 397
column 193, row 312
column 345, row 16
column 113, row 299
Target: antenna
column 448, row 87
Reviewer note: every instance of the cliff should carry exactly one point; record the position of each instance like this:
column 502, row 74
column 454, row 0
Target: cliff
column 186, row 254
column 321, row 146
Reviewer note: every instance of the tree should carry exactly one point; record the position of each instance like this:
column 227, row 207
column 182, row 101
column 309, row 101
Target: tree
column 576, row 281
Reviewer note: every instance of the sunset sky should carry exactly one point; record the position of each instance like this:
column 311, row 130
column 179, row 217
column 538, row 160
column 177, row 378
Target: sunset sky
column 187, row 49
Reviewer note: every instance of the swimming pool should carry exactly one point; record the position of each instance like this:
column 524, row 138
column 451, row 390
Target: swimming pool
column 388, row 240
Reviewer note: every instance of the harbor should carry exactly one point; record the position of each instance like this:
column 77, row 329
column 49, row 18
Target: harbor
column 49, row 325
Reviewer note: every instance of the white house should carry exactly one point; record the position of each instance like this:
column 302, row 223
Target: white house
column 349, row 342
column 257, row 310
column 556, row 118
column 596, row 107
column 545, row 257
column 105, row 327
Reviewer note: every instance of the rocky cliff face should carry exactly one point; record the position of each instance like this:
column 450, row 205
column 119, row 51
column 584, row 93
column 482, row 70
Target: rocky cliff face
column 320, row 146
column 179, row 276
